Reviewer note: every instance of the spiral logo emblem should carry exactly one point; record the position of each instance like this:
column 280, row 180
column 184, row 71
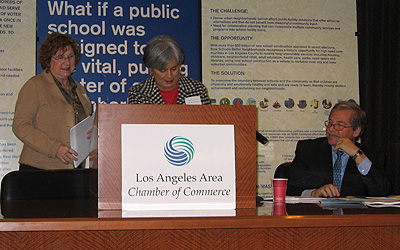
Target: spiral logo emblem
column 179, row 151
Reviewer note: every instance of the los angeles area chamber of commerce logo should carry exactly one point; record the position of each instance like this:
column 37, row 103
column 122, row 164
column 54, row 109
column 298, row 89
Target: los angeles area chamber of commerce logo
column 179, row 151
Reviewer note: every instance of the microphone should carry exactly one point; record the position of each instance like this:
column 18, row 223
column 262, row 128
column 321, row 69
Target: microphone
column 261, row 139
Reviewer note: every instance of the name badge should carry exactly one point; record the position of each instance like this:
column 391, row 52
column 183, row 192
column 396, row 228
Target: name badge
column 193, row 100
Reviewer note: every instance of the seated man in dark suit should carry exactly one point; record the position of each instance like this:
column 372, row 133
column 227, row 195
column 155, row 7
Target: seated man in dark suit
column 336, row 165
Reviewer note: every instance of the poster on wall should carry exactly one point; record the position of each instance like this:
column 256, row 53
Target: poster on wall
column 17, row 65
column 112, row 36
column 292, row 59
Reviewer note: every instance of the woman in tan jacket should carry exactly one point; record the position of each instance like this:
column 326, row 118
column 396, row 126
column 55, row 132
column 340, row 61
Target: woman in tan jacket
column 48, row 105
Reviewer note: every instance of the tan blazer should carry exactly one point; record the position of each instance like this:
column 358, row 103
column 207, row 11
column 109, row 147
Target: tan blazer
column 42, row 121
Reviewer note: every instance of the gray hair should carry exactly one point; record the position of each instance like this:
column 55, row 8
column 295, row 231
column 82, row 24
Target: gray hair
column 359, row 117
column 160, row 50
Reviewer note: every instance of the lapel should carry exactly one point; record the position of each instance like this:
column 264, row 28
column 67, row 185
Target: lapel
column 325, row 161
column 52, row 86
column 351, row 169
column 152, row 92
column 84, row 98
column 181, row 92
column 55, row 91
column 158, row 97
column 181, row 97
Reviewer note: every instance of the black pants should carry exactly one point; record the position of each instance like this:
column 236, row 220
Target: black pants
column 24, row 167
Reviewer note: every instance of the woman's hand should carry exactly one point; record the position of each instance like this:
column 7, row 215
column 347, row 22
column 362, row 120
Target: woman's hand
column 93, row 156
column 66, row 154
column 89, row 133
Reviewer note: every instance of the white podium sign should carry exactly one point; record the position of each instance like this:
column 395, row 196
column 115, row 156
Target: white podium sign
column 178, row 167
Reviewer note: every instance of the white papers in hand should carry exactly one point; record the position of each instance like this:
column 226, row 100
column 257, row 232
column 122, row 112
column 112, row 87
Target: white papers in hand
column 78, row 138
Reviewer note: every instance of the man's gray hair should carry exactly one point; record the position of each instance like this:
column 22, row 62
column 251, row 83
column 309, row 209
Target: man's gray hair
column 160, row 50
column 359, row 117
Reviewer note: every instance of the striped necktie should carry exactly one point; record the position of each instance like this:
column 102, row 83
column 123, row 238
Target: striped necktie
column 337, row 170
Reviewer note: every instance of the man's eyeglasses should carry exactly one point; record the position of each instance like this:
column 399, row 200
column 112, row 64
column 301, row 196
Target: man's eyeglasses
column 338, row 127
column 64, row 58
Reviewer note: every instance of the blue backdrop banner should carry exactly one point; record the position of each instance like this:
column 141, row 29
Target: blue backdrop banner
column 112, row 36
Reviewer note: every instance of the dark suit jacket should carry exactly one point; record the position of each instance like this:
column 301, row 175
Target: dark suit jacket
column 312, row 168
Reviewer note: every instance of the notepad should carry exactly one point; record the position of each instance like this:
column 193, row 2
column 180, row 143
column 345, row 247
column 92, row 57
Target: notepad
column 78, row 139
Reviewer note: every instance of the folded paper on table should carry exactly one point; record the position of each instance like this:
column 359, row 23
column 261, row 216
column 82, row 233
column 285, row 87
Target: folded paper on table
column 296, row 199
column 361, row 202
column 330, row 203
column 349, row 201
column 390, row 201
